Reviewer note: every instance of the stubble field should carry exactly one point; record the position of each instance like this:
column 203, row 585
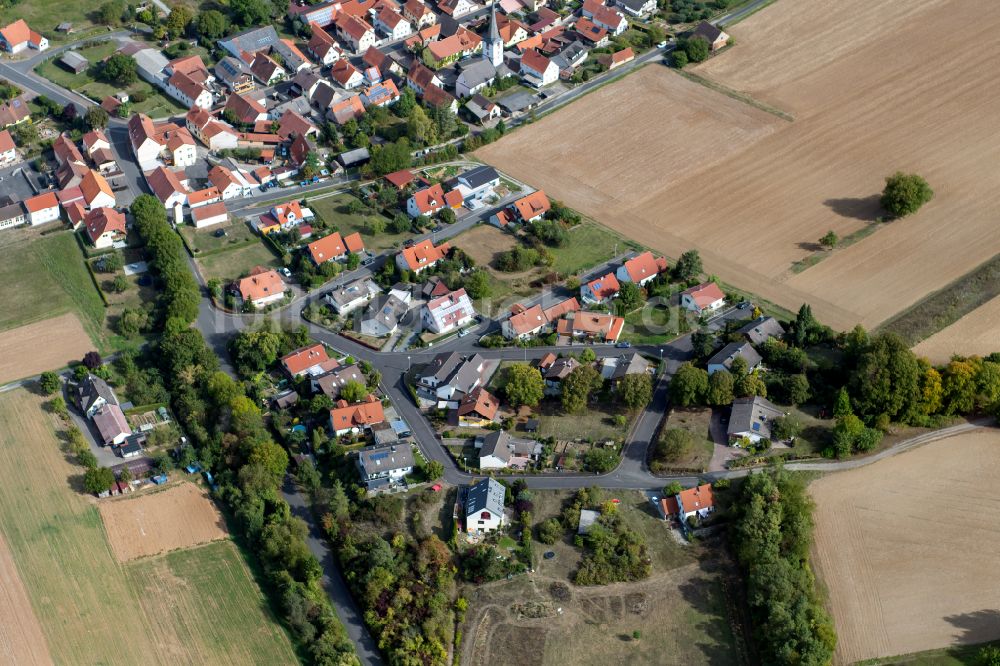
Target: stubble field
column 44, row 345
column 906, row 548
column 676, row 165
column 152, row 523
column 198, row 605
column 976, row 333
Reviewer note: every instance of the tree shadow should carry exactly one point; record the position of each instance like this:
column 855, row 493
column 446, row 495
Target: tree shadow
column 810, row 246
column 707, row 597
column 858, row 208
column 977, row 626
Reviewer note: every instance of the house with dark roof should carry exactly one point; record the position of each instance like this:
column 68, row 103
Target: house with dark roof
column 348, row 297
column 250, row 41
column 478, row 408
column 451, row 376
column 383, row 467
column 94, row 393
column 712, row 34
column 334, row 381
column 637, row 8
column 723, row 359
column 761, row 330
column 500, row 450
column 384, row 313
column 483, row 507
column 614, row 368
column 750, row 419
column 111, row 425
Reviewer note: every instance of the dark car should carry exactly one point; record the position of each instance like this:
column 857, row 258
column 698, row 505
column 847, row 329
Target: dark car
column 623, row 345
column 409, row 243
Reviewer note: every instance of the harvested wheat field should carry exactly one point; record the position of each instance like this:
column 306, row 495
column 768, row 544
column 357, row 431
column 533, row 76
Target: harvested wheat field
column 907, row 548
column 676, row 165
column 977, row 333
column 44, row 345
column 21, row 638
column 148, row 524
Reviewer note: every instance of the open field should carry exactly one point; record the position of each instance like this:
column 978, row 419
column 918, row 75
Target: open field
column 908, row 569
column 231, row 264
column 193, row 606
column 152, row 523
column 680, row 611
column 21, row 638
column 483, row 243
column 45, row 345
column 754, row 193
column 976, row 333
column 204, row 241
column 334, row 212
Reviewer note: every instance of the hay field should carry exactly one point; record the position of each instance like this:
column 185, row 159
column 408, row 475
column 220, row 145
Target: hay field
column 681, row 166
column 976, row 333
column 907, row 547
column 94, row 609
column 156, row 522
column 45, row 345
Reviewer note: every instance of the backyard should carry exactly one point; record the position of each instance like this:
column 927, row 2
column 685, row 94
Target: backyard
column 230, row 264
column 698, row 454
column 334, row 212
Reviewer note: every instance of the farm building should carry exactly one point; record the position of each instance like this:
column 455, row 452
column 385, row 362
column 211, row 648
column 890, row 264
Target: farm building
column 74, row 62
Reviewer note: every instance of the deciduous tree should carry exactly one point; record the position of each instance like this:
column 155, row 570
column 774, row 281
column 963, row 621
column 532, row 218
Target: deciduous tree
column 905, row 193
column 524, row 385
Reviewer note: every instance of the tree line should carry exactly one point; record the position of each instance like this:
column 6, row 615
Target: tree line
column 231, row 439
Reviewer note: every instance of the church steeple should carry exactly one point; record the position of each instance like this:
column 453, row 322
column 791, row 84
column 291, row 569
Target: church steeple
column 493, row 46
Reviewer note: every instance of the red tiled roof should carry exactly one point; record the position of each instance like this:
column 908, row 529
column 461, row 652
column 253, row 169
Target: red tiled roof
column 704, row 294
column 424, row 254
column 644, row 266
column 260, row 284
column 354, row 242
column 430, row 199
column 603, row 287
column 94, row 184
column 304, row 358
column 209, row 210
column 481, row 402
column 533, row 205
column 400, row 179
column 103, row 220
column 41, row 202
column 327, row 248
column 535, row 61
column 698, row 498
column 345, row 416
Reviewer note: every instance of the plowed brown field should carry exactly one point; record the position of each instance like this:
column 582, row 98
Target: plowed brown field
column 874, row 86
column 907, row 548
column 45, row 345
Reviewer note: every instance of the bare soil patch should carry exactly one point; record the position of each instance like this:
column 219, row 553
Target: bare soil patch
column 907, row 546
column 675, row 165
column 21, row 637
column 179, row 517
column 976, row 333
column 44, row 345
column 484, row 242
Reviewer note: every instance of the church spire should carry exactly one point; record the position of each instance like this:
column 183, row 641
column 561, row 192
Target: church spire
column 493, row 48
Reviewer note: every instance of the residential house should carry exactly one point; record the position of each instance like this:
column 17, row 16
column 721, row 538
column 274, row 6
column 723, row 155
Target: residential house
column 8, row 149
column 151, row 141
column 420, row 77
column 96, row 191
column 641, row 269
column 537, row 70
column 703, row 298
column 715, row 37
column 605, row 17
column 617, row 59
column 448, row 312
column 293, row 124
column 111, row 425
column 262, row 287
column 456, row 8
column 571, row 57
column 384, row 93
column 600, row 290
column 697, row 501
column 383, row 467
column 525, row 323
column 230, row 184
column 723, row 359
column 500, row 450
column 250, row 41
column 203, row 197
column 93, row 393
column 104, row 226
column 750, row 420
column 347, row 418
column 383, row 315
column 459, row 45
column 245, row 109
column 17, row 36
column 431, row 199
column 355, row 31
column 346, row 74
column 478, row 408
column 328, row 248
column 637, row 8
column 14, row 112
column 531, row 207
column 422, row 255
column 476, row 184
column 331, row 383
column 266, row 69
column 475, row 75
column 167, row 187
column 235, row 75
column 482, row 109
column 323, row 46
column 294, row 60
column 555, row 371
column 321, row 14
column 42, row 208
column 594, row 326
column 210, row 214
column 400, row 179
column 188, row 81
column 392, row 24
column 351, row 296
column 484, row 507
column 283, row 217
column 762, row 329
column 14, row 214
column 311, row 360
column 614, row 368
column 93, row 141
column 419, row 14
column 451, row 376
column 511, row 31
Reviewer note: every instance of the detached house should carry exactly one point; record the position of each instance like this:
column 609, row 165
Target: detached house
column 42, row 208
column 17, row 36
column 450, row 376
column 457, row 8
column 188, row 82
column 484, row 507
column 334, row 248
column 761, row 330
column 637, row 8
column 750, row 419
column 431, row 199
column 351, row 296
column 382, row 467
column 604, row 17
column 696, row 501
column 531, row 207
column 641, row 269
column 393, row 25
column 104, row 227
column 323, row 47
column 723, row 359
column 501, row 451
column 8, row 149
column 312, row 361
column 345, row 417
column 234, row 75
column 538, row 70
column 230, row 184
column 601, row 290
column 167, row 187
column 478, row 408
column 419, row 14
column 448, row 312
column 597, row 326
column 346, row 74
column 715, row 37
column 422, row 255
column 93, row 394
column 262, row 287
column 383, row 315
column 703, row 298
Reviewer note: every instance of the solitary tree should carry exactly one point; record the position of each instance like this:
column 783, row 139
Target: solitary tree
column 688, row 266
column 524, row 386
column 49, row 383
column 98, row 479
column 577, row 387
column 629, row 297
column 829, row 240
column 121, row 69
column 636, row 390
column 905, row 193
column 680, row 59
column 96, row 118
column 211, row 24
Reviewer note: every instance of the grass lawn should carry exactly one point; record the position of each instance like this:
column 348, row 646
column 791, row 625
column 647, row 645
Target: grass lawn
column 651, row 325
column 155, row 105
column 44, row 16
column 232, row 264
column 589, row 245
column 197, row 606
column 961, row 655
column 204, row 242
column 594, row 424
column 333, row 210
column 696, row 421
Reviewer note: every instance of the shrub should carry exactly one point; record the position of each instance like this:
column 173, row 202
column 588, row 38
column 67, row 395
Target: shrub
column 549, row 531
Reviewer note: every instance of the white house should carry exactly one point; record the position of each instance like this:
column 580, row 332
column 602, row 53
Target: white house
column 142, row 136
column 167, row 187
column 448, row 312
column 422, row 255
column 231, row 184
column 104, row 226
column 500, row 450
column 484, row 507
column 697, row 501
column 189, row 92
column 209, row 214
column 93, row 394
column 42, row 208
column 723, row 359
column 96, row 191
column 17, row 37
column 537, row 70
column 112, row 425
column 356, row 32
column 641, row 269
column 637, row 8
column 8, row 149
column 384, row 466
column 393, row 25
column 703, row 298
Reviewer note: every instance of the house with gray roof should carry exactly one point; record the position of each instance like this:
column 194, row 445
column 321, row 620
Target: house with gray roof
column 348, row 297
column 383, row 315
column 478, row 74
column 614, row 368
column 751, row 418
column 250, row 41
column 484, row 507
column 450, row 376
column 761, row 330
column 332, row 382
column 150, row 63
column 723, row 359
column 234, row 75
column 501, row 450
column 570, row 57
column 383, row 467
column 95, row 393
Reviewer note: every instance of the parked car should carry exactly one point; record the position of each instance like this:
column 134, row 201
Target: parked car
column 287, row 273
column 623, row 345
column 409, row 243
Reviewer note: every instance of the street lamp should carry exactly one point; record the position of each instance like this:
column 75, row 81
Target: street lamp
column 407, row 363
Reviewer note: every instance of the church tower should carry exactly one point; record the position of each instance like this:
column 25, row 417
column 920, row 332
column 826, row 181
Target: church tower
column 493, row 46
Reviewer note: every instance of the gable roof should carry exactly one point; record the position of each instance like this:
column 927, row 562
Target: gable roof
column 424, row 253
column 603, row 287
column 13, row 112
column 292, row 123
column 400, row 179
column 164, row 183
column 761, row 329
column 94, row 184
column 486, row 495
column 479, row 401
column 753, row 415
column 261, row 283
column 92, row 389
column 100, row 221
column 327, row 248
column 532, row 205
column 343, row 71
column 644, row 266
column 728, row 354
column 707, row 31
column 303, row 358
column 367, row 413
column 704, row 294
column 589, row 30
column 245, row 108
column 534, row 61
column 42, row 202
column 698, row 498
column 385, row 458
column 209, row 211
column 354, row 243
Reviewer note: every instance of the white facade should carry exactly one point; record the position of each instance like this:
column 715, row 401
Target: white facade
column 147, row 153
column 449, row 312
column 102, row 200
column 8, row 157
column 44, row 215
column 185, row 155
column 540, row 79
column 688, row 303
column 483, row 521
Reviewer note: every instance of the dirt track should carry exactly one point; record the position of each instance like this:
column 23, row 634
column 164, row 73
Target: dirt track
column 907, row 548
column 45, row 345
column 976, row 333
column 156, row 522
column 21, row 637
column 676, row 165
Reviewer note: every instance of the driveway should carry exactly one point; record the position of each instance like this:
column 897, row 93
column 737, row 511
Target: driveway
column 105, row 455
column 722, row 452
